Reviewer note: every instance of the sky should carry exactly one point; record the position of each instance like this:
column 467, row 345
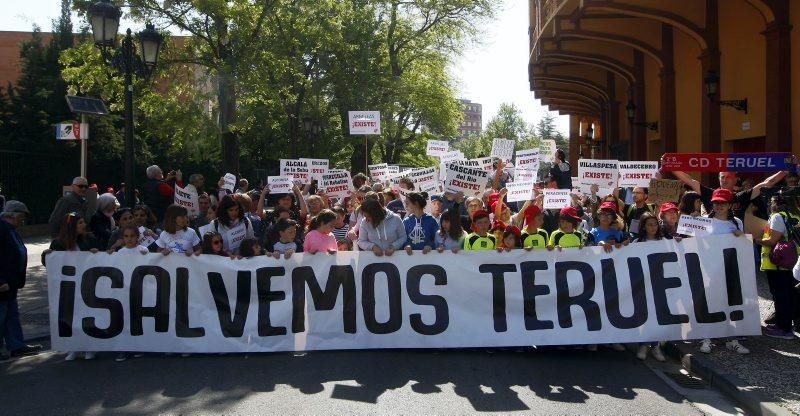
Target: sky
column 493, row 72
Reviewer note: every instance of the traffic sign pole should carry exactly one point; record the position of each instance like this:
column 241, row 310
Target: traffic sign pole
column 84, row 148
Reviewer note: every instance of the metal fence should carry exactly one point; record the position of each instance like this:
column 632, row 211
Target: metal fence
column 36, row 179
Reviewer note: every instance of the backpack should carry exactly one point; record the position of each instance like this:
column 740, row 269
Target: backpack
column 784, row 254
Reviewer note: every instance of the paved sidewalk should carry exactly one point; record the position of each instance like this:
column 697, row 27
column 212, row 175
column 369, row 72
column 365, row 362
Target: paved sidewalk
column 773, row 367
column 33, row 307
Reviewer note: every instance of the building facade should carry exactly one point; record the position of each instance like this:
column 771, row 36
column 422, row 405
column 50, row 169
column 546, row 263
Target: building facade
column 654, row 76
column 473, row 119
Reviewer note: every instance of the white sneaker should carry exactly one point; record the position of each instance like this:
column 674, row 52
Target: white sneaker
column 642, row 353
column 658, row 354
column 591, row 347
column 122, row 356
column 737, row 347
column 89, row 355
column 617, row 347
column 705, row 346
column 71, row 356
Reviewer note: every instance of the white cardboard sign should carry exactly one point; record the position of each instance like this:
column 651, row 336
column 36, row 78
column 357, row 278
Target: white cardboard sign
column 470, row 181
column 546, row 150
column 280, row 184
column 633, row 174
column 317, row 167
column 187, row 199
column 298, row 170
column 603, row 173
column 379, row 171
column 437, row 147
column 556, row 198
column 528, row 160
column 519, row 191
column 503, row 149
column 365, row 122
column 695, row 226
column 230, row 182
column 337, row 184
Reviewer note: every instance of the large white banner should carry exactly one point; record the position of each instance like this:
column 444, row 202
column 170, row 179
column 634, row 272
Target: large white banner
column 654, row 291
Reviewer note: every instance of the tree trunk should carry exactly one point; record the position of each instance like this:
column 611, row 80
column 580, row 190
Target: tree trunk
column 226, row 98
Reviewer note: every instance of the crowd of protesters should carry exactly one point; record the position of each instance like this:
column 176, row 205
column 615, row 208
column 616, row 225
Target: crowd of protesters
column 255, row 222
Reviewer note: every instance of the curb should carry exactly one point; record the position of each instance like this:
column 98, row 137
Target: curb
column 38, row 338
column 756, row 402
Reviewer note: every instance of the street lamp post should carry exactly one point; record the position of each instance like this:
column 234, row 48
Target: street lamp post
column 308, row 125
column 104, row 19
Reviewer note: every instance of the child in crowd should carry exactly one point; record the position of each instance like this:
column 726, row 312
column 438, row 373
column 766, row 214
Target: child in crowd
column 420, row 226
column 287, row 239
column 177, row 237
column 567, row 235
column 649, row 230
column 250, row 247
column 212, row 244
column 319, row 237
column 344, row 245
column 606, row 234
column 668, row 214
column 232, row 223
column 450, row 236
column 340, row 226
column 724, row 222
column 533, row 236
column 123, row 217
column 480, row 239
column 511, row 238
column 130, row 241
column 146, row 220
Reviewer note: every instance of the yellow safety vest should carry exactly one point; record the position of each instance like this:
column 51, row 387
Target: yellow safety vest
column 560, row 238
column 766, row 263
column 535, row 240
column 476, row 242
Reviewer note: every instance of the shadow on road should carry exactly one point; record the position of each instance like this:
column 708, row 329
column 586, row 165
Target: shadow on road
column 169, row 384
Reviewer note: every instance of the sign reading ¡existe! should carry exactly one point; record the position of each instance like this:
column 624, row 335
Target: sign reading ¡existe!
column 365, row 122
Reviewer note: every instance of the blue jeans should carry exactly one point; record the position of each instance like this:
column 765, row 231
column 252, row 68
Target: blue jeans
column 10, row 327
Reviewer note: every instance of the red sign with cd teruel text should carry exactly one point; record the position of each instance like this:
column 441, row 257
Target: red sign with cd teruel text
column 720, row 162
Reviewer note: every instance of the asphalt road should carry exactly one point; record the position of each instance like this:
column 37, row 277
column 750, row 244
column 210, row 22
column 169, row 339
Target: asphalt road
column 339, row 382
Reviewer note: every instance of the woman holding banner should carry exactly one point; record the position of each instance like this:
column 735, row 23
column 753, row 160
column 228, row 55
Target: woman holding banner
column 381, row 231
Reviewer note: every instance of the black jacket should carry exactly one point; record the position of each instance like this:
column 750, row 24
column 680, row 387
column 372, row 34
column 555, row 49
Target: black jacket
column 13, row 260
column 100, row 226
column 71, row 202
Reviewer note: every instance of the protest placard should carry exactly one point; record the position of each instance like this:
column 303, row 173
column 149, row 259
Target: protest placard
column 664, row 190
column 519, row 191
column 230, row 182
column 364, row 122
column 695, row 226
column 556, row 198
column 521, row 175
column 470, row 181
column 423, row 177
column 603, row 173
column 450, row 156
column 503, row 149
column 187, row 199
column 437, row 147
column 527, row 160
column 720, row 162
column 317, row 167
column 393, row 169
column 337, row 184
column 378, row 171
column 633, row 174
column 546, row 150
column 280, row 184
column 298, row 170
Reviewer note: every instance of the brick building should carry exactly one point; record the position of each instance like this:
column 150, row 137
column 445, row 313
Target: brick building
column 473, row 119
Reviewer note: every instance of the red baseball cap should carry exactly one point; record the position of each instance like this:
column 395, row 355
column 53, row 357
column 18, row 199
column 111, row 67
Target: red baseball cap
column 722, row 195
column 609, row 206
column 532, row 212
column 498, row 225
column 514, row 230
column 570, row 212
column 492, row 198
column 479, row 214
column 666, row 207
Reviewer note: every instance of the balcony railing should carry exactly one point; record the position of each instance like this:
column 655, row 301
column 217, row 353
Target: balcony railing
column 543, row 11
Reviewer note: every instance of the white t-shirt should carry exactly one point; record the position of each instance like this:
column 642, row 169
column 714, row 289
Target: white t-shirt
column 180, row 242
column 777, row 223
column 135, row 250
column 725, row 226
